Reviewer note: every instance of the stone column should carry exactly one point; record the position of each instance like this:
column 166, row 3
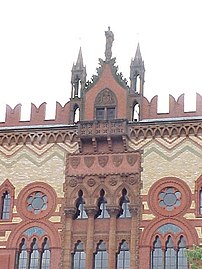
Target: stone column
column 113, row 212
column 134, row 237
column 90, row 236
column 67, row 239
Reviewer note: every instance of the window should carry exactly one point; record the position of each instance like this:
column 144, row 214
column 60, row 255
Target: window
column 102, row 205
column 169, row 257
column 105, row 105
column 124, row 202
column 33, row 256
column 6, row 205
column 101, row 257
column 79, row 257
column 105, row 113
column 136, row 112
column 80, row 207
column 123, row 257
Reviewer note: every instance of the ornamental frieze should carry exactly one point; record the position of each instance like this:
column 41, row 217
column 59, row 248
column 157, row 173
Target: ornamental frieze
column 104, row 164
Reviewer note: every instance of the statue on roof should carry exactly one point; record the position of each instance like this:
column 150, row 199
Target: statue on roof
column 109, row 40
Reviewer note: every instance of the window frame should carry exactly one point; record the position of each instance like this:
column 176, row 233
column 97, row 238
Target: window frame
column 6, row 187
column 170, row 250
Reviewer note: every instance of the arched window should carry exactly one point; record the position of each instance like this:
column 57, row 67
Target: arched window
column 33, row 256
column 76, row 116
column 170, row 254
column 136, row 112
column 123, row 256
column 80, row 207
column 79, row 257
column 102, row 205
column 181, row 255
column 137, row 83
column 6, row 205
column 105, row 105
column 124, row 202
column 45, row 255
column 169, row 257
column 22, row 256
column 101, row 256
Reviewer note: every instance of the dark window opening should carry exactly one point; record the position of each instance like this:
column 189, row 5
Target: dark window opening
column 102, row 205
column 80, row 207
column 124, row 205
column 6, row 204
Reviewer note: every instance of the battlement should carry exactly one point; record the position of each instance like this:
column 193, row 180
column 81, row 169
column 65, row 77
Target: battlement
column 176, row 108
column 37, row 115
column 65, row 114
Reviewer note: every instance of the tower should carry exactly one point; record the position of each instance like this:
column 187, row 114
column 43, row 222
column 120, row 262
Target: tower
column 137, row 71
column 78, row 79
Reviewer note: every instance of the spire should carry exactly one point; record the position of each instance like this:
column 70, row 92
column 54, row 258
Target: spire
column 79, row 63
column 138, row 56
column 137, row 71
column 78, row 79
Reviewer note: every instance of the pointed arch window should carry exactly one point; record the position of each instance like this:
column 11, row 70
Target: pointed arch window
column 45, row 255
column 105, row 105
column 136, row 112
column 123, row 256
column 6, row 205
column 124, row 205
column 22, row 256
column 33, row 256
column 101, row 256
column 102, row 205
column 169, row 256
column 79, row 257
column 80, row 207
column 76, row 114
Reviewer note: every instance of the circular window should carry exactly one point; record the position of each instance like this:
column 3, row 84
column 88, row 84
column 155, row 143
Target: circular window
column 37, row 200
column 169, row 197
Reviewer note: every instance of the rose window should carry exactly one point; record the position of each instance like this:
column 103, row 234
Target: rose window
column 169, row 198
column 37, row 202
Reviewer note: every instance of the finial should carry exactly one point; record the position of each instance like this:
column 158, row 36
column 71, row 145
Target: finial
column 109, row 40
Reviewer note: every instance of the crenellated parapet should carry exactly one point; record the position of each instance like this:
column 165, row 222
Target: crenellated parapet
column 176, row 108
column 63, row 115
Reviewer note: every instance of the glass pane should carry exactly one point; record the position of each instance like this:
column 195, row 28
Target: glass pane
column 110, row 113
column 100, row 113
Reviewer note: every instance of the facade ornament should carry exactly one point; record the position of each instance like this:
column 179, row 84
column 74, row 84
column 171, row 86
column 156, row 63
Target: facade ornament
column 109, row 40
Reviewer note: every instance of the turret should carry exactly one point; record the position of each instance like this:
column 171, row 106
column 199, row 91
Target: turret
column 137, row 71
column 78, row 79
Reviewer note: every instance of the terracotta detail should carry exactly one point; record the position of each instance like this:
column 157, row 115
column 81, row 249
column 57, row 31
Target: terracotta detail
column 177, row 184
column 30, row 189
column 75, row 161
column 89, row 161
column 105, row 98
column 117, row 160
column 103, row 160
column 91, row 182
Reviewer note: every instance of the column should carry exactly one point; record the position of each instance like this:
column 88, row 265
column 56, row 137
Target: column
column 113, row 212
column 66, row 254
column 134, row 238
column 90, row 236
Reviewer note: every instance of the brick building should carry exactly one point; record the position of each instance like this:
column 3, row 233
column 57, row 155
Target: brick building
column 120, row 188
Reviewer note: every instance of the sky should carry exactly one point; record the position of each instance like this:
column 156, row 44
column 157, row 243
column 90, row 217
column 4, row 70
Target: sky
column 40, row 41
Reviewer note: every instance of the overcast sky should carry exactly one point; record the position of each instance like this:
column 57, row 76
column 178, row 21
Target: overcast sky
column 40, row 40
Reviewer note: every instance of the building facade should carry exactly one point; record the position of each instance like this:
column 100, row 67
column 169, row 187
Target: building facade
column 119, row 188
